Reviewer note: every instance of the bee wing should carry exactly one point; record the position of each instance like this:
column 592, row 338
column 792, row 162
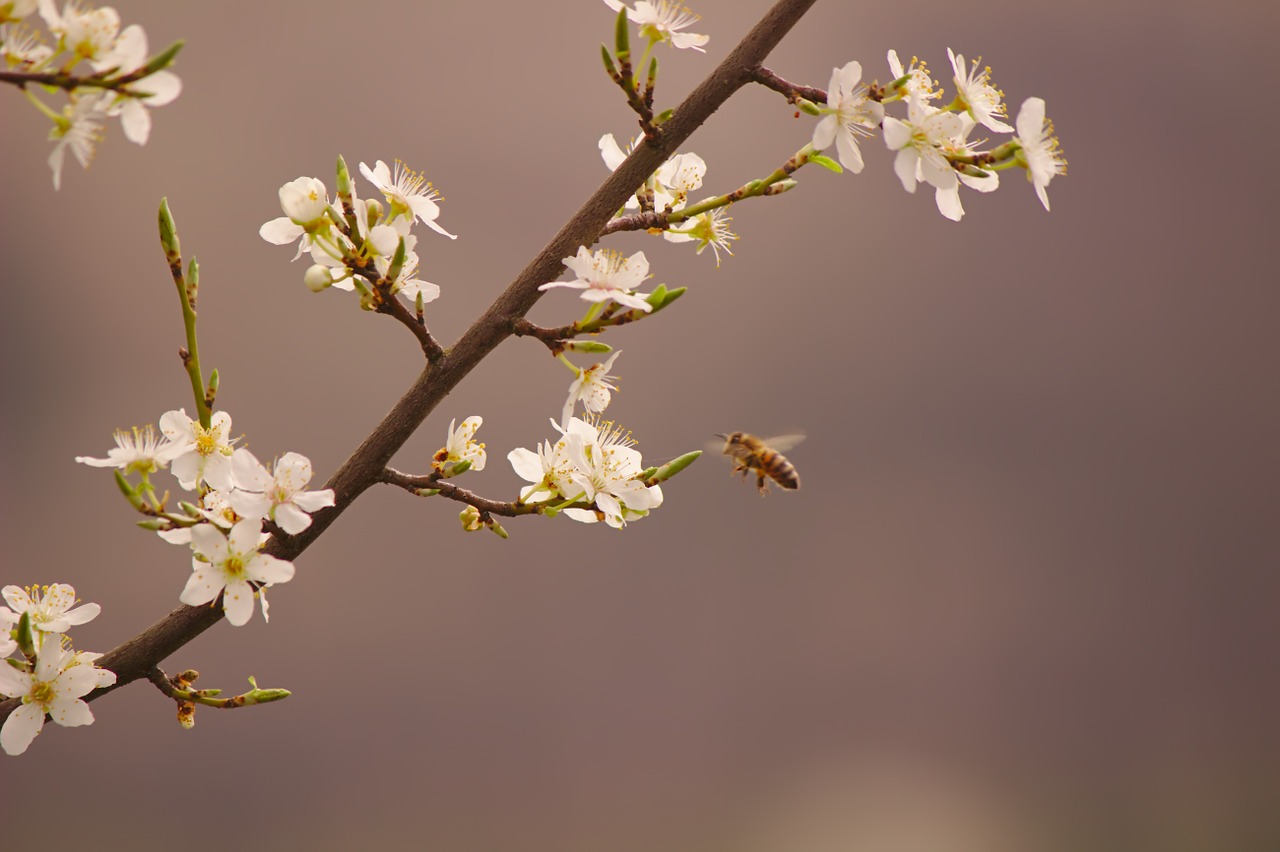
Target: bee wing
column 782, row 443
column 714, row 445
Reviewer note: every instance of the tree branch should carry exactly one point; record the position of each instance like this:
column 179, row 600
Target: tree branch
column 136, row 657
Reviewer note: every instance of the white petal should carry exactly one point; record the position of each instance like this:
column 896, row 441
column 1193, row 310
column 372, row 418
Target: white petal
column 71, row 714
column 948, row 201
column 135, row 121
column 237, row 603
column 313, row 501
column 203, row 586
column 13, row 682
column 83, row 614
column 265, row 568
column 21, row 728
column 291, row 519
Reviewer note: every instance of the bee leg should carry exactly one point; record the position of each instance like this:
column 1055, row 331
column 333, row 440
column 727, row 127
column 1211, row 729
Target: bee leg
column 760, row 484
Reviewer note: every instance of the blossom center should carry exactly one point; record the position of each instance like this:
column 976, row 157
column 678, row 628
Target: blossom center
column 234, row 567
column 41, row 693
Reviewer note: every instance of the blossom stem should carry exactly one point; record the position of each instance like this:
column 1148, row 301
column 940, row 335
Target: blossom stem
column 506, row 509
column 191, row 353
column 44, row 108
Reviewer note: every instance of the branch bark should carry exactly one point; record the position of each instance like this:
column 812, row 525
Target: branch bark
column 136, row 657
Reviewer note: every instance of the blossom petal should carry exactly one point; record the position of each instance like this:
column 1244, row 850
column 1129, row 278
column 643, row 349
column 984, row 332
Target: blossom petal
column 237, row 603
column 71, row 714
column 21, row 728
column 203, row 586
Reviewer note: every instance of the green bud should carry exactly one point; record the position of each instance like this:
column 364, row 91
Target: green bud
column 609, row 67
column 621, row 36
column 397, row 262
column 658, row 296
column 587, row 346
column 670, row 296
column 455, row 468
column 549, row 511
column 266, row 696
column 784, row 185
column 126, row 488
column 427, row 492
column 169, row 234
column 826, row 162
column 26, row 639
column 212, row 393
column 973, row 171
column 663, row 117
column 676, row 465
column 193, row 282
column 808, row 106
column 154, row 524
column 163, row 59
column 646, row 473
column 470, row 518
column 344, row 178
column 497, row 529
column 653, row 74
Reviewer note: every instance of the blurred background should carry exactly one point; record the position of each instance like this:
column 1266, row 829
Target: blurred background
column 1025, row 599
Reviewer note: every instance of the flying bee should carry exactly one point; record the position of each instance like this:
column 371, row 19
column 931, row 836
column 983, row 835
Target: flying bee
column 750, row 453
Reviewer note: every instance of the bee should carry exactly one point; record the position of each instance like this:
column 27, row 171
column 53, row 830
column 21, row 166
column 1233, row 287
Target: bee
column 750, row 453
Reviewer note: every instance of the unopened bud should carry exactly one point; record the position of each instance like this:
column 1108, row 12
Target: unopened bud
column 317, row 278
column 587, row 346
column 470, row 518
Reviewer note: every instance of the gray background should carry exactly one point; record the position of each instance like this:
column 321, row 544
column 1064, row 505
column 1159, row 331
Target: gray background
column 1025, row 600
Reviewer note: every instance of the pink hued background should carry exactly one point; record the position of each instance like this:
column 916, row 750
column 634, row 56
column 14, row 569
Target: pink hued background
column 1025, row 600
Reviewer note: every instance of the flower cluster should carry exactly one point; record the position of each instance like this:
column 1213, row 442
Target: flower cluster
column 593, row 463
column 236, row 495
column 667, row 191
column 346, row 234
column 124, row 83
column 49, row 677
column 662, row 21
column 932, row 142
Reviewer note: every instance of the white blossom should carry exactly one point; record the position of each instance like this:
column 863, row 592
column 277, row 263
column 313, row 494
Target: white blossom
column 1040, row 148
column 199, row 454
column 155, row 90
column 592, row 387
column 87, row 32
column 847, row 115
column 975, row 93
column 56, row 686
column 604, row 469
column 279, row 494
column 919, row 141
column 226, row 564
column 408, row 192
column 605, row 275
column 20, row 45
column 140, row 451
column 460, row 446
column 662, row 20
column 707, row 229
column 80, row 129
column 919, row 84
column 8, row 621
column 50, row 608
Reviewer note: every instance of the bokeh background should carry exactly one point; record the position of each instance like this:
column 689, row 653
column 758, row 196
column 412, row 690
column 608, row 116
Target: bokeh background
column 1026, row 599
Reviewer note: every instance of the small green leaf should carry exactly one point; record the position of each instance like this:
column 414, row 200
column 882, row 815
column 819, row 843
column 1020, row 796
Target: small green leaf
column 826, row 162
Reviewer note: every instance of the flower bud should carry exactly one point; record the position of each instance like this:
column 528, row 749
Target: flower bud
column 587, row 346
column 317, row 278
column 470, row 518
column 304, row 200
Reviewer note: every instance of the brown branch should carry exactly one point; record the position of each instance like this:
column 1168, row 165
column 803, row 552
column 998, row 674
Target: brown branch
column 393, row 307
column 447, row 489
column 792, row 91
column 137, row 656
